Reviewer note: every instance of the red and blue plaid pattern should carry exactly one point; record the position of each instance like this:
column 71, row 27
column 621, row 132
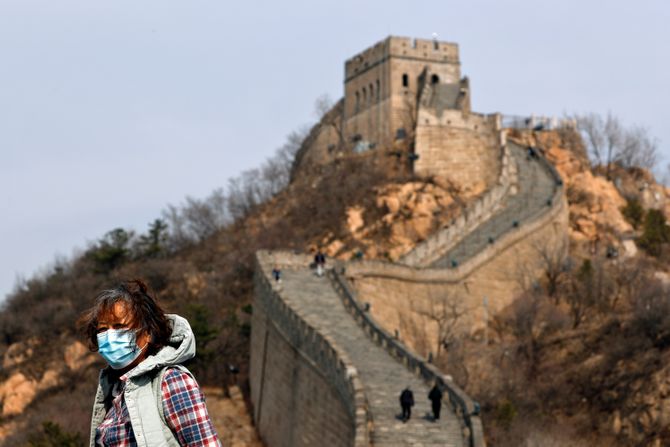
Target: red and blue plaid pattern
column 184, row 409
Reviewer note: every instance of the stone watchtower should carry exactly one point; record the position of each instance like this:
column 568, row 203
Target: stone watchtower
column 382, row 85
column 411, row 90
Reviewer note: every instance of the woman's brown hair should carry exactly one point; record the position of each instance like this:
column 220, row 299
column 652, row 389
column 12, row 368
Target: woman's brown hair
column 147, row 315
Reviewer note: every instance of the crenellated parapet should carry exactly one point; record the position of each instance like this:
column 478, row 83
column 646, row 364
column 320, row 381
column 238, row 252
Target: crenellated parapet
column 463, row 406
column 423, row 50
column 324, row 373
column 279, row 325
column 482, row 210
column 478, row 212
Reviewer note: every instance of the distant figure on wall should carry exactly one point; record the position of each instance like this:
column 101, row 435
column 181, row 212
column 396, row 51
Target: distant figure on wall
column 320, row 261
column 276, row 274
column 406, row 403
column 435, row 397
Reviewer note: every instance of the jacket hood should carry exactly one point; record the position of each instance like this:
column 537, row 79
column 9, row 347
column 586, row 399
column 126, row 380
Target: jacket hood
column 180, row 348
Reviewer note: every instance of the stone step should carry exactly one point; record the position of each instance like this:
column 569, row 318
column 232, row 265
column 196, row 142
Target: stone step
column 382, row 376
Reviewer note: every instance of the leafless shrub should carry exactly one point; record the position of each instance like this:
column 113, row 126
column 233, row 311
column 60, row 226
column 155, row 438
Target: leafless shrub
column 578, row 195
column 608, row 141
column 446, row 311
column 197, row 219
column 531, row 320
column 651, row 313
column 591, row 288
column 554, row 265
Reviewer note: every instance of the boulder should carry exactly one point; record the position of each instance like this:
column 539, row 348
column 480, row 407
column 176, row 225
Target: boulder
column 77, row 356
column 355, row 219
column 18, row 353
column 16, row 393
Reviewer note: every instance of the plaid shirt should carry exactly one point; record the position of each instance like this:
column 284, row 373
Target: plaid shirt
column 183, row 406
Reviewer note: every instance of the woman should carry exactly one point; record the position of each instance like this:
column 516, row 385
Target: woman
column 145, row 397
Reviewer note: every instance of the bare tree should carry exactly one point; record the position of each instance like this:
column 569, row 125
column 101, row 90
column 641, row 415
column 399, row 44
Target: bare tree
column 554, row 264
column 608, row 142
column 327, row 111
column 532, row 319
column 446, row 311
column 591, row 289
column 196, row 219
column 628, row 278
column 322, row 105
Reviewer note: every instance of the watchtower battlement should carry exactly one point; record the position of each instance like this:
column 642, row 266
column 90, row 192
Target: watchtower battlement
column 381, row 81
column 421, row 50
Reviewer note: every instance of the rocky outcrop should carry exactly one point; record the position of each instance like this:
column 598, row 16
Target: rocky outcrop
column 596, row 202
column 647, row 409
column 403, row 215
column 20, row 389
column 231, row 418
column 16, row 393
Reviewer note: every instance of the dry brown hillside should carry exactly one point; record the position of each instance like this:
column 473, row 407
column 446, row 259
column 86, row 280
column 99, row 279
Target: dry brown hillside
column 582, row 358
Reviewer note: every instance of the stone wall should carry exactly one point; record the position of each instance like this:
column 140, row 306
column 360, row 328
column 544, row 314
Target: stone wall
column 462, row 146
column 481, row 210
column 381, row 85
column 461, row 404
column 372, row 123
column 304, row 390
column 398, row 294
column 423, row 50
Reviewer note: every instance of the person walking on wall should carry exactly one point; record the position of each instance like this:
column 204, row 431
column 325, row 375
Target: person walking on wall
column 276, row 273
column 145, row 397
column 320, row 261
column 406, row 403
column 435, row 397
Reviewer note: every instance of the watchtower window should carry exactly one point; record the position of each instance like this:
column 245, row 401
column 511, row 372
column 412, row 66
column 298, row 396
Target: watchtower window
column 365, row 96
column 434, row 79
column 372, row 93
column 358, row 101
column 405, row 80
column 436, row 45
column 378, row 93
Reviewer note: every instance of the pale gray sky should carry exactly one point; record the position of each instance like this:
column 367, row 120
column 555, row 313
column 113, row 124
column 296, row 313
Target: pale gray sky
column 109, row 110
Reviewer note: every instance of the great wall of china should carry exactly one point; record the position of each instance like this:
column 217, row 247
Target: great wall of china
column 327, row 357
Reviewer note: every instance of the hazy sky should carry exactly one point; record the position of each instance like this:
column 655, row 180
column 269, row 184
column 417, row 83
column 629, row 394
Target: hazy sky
column 111, row 109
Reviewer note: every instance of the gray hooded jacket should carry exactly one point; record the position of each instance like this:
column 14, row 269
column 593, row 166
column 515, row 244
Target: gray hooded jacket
column 143, row 389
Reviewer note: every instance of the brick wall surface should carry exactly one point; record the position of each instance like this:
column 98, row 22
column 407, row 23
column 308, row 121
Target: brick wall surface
column 295, row 401
column 463, row 147
column 398, row 303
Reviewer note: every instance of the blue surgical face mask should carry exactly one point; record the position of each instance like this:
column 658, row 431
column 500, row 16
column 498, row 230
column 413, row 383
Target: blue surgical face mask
column 118, row 347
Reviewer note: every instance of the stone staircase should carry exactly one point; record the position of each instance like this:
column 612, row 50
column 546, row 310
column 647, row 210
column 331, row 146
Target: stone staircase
column 536, row 187
column 382, row 376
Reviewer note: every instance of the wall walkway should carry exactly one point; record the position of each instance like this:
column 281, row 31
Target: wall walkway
column 535, row 196
column 317, row 302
